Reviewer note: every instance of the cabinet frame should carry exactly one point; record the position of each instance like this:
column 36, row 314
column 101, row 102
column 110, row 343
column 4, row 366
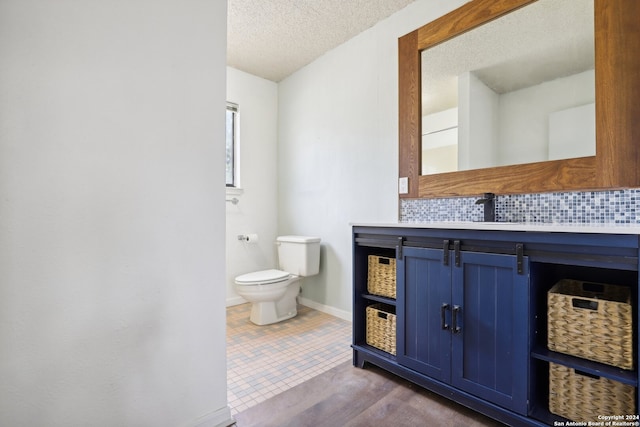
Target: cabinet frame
column 547, row 255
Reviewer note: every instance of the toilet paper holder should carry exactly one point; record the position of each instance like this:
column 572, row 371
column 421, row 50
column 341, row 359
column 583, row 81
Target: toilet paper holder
column 250, row 238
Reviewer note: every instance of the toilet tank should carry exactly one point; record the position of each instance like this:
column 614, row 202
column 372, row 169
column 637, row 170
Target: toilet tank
column 299, row 255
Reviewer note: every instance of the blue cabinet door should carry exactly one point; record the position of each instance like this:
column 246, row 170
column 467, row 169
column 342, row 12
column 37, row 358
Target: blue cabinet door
column 490, row 348
column 424, row 285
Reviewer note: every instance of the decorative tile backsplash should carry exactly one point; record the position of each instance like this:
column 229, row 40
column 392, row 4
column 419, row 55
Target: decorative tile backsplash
column 591, row 207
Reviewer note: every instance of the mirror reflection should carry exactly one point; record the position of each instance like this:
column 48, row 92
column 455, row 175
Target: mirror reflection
column 520, row 89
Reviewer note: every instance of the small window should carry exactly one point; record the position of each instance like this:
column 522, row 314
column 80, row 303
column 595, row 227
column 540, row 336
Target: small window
column 232, row 145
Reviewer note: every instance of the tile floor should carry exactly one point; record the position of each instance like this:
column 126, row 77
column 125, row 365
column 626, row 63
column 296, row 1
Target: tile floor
column 263, row 361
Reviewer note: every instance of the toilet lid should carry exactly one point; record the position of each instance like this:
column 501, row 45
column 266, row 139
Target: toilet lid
column 264, row 277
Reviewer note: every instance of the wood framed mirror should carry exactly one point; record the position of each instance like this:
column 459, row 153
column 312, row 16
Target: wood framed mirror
column 617, row 105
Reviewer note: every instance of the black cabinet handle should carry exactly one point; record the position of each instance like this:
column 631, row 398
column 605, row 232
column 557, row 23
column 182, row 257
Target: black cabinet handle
column 455, row 328
column 443, row 313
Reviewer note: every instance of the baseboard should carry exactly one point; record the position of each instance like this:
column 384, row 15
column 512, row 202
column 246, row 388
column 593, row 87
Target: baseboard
column 344, row 315
column 235, row 301
column 220, row 418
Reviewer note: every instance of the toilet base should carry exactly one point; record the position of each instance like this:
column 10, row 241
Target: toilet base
column 265, row 313
column 268, row 312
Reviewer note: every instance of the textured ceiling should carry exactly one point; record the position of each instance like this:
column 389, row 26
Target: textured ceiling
column 274, row 38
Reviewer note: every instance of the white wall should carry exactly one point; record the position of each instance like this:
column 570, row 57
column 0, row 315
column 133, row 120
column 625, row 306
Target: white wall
column 572, row 132
column 257, row 209
column 338, row 146
column 112, row 216
column 478, row 123
column 524, row 116
column 440, row 142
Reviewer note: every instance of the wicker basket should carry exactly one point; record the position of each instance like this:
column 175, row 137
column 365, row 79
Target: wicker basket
column 592, row 321
column 582, row 397
column 381, row 279
column 381, row 327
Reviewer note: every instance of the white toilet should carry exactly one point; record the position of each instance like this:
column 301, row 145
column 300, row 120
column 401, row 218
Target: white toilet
column 273, row 292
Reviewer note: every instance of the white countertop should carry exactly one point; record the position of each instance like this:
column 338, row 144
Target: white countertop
column 515, row 226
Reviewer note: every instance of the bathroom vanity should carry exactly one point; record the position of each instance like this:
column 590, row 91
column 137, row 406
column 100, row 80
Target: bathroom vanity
column 470, row 308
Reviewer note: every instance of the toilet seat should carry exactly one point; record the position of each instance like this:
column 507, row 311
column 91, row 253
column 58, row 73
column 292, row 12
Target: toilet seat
column 262, row 277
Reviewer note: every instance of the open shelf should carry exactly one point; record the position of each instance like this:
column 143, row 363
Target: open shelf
column 594, row 368
column 377, row 298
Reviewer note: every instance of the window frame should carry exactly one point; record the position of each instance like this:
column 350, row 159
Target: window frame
column 235, row 146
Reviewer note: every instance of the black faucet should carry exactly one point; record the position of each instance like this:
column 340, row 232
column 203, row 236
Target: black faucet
column 489, row 202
